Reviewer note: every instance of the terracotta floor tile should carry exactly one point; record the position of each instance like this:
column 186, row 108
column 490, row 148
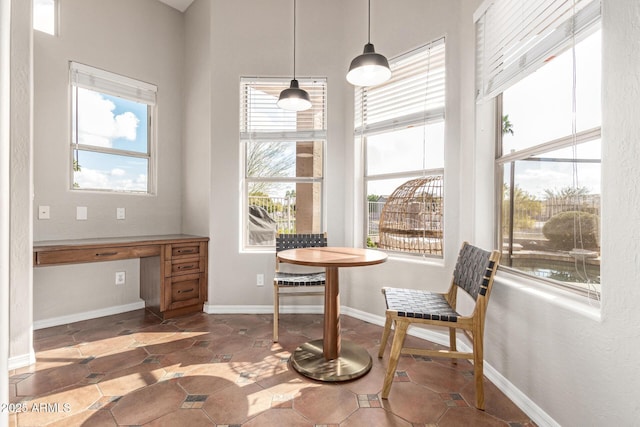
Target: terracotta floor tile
column 149, row 403
column 198, row 370
column 377, row 417
column 327, row 404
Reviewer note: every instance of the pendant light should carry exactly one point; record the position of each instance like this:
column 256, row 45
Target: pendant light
column 294, row 98
column 370, row 68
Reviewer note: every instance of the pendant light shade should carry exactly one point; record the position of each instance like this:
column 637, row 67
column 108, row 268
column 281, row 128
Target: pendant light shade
column 370, row 68
column 294, row 98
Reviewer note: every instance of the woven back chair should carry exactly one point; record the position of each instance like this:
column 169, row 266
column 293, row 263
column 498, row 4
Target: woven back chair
column 285, row 282
column 474, row 273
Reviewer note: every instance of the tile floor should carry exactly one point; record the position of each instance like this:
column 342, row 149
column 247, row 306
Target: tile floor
column 133, row 369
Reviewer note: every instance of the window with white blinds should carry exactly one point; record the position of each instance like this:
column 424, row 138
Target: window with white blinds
column 261, row 118
column 516, row 37
column 112, row 140
column 282, row 160
column 414, row 94
column 400, row 127
column 102, row 81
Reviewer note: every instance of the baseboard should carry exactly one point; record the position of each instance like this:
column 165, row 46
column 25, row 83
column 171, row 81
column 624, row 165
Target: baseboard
column 63, row 320
column 21, row 361
column 262, row 309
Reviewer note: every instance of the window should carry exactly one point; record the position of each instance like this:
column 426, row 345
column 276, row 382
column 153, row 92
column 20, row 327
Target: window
column 283, row 161
column 111, row 137
column 45, row 16
column 400, row 125
column 548, row 152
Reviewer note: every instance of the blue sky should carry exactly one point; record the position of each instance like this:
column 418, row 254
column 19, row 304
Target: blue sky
column 113, row 123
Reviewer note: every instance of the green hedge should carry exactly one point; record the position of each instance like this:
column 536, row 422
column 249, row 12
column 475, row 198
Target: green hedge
column 561, row 228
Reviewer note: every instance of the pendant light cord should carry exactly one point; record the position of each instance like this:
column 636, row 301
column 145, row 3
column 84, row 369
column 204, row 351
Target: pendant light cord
column 369, row 25
column 294, row 39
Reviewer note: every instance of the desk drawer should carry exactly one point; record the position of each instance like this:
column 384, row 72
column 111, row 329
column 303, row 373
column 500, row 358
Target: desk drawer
column 70, row 256
column 184, row 291
column 184, row 266
column 185, row 250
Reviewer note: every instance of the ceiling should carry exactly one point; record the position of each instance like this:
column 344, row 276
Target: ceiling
column 181, row 5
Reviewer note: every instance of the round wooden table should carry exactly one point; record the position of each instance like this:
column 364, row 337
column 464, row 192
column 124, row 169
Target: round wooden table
column 331, row 359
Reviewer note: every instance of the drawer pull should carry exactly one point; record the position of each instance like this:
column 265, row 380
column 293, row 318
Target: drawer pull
column 107, row 253
column 186, row 267
column 185, row 290
column 186, row 251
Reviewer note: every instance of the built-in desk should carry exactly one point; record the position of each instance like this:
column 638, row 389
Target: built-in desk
column 173, row 268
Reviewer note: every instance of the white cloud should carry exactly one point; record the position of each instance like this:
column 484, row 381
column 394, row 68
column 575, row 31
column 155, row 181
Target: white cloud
column 97, row 124
column 118, row 172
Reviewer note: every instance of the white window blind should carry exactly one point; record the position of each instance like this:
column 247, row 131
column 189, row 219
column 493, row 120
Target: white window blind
column 516, row 37
column 414, row 94
column 105, row 82
column 261, row 118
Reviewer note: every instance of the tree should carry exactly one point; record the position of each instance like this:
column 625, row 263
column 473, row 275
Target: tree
column 267, row 159
column 507, row 126
column 526, row 208
column 572, row 229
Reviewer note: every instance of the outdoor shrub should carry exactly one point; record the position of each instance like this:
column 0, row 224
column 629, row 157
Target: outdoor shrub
column 561, row 229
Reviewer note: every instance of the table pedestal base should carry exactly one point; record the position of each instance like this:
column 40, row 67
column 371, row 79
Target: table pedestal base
column 354, row 361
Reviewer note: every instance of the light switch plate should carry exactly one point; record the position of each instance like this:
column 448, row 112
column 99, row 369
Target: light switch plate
column 43, row 212
column 120, row 213
column 81, row 213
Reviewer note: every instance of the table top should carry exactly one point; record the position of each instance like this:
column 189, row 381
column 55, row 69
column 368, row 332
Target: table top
column 332, row 257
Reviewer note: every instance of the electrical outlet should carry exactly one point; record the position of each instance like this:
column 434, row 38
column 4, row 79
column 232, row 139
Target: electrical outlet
column 259, row 279
column 120, row 213
column 43, row 212
column 120, row 277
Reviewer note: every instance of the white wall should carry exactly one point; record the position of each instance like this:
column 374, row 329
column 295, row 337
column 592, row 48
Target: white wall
column 142, row 39
column 262, row 46
column 196, row 153
column 5, row 200
column 21, row 181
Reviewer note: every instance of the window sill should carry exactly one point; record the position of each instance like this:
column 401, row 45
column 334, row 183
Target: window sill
column 578, row 304
column 416, row 259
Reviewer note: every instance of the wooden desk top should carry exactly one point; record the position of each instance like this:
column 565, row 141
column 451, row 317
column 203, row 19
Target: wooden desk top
column 106, row 242
column 332, row 257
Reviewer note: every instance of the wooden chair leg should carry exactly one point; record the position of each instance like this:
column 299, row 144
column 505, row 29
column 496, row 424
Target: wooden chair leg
column 478, row 370
column 452, row 339
column 385, row 336
column 396, row 348
column 276, row 312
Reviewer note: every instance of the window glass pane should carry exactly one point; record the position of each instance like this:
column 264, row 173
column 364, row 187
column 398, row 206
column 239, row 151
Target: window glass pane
column 545, row 97
column 102, row 171
column 282, row 207
column 44, row 16
column 415, row 148
column 107, row 121
column 554, row 230
column 284, row 159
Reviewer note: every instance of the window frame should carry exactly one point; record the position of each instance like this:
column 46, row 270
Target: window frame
column 501, row 159
column 271, row 133
column 426, row 117
column 112, row 84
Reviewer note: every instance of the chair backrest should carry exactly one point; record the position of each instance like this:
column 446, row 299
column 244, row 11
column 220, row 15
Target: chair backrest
column 475, row 269
column 294, row 241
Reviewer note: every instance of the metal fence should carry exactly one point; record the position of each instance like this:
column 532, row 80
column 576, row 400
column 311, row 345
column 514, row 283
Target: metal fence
column 281, row 209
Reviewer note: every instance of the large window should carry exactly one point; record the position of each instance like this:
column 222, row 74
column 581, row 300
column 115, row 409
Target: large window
column 45, row 16
column 283, row 161
column 111, row 132
column 400, row 125
column 549, row 155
